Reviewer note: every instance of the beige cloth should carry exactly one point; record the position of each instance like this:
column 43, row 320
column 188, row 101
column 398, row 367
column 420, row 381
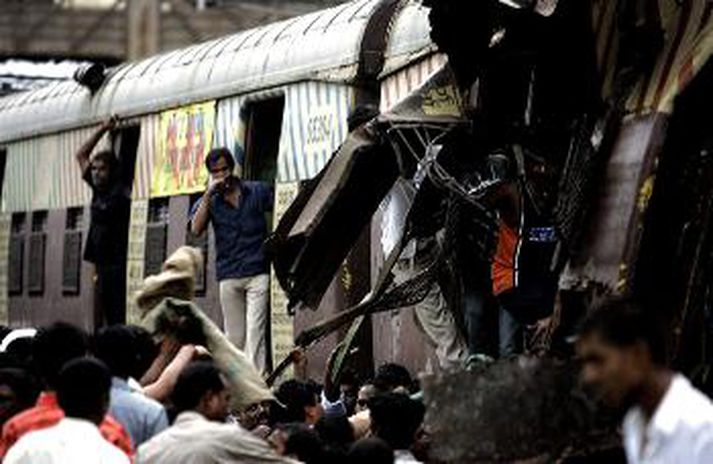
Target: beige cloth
column 177, row 279
column 246, row 384
column 244, row 305
column 195, row 440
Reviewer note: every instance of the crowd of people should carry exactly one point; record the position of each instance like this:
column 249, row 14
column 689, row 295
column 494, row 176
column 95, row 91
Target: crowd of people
column 120, row 396
column 125, row 395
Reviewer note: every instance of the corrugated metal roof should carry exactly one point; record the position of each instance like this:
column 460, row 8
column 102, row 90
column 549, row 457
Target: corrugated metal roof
column 292, row 50
column 409, row 38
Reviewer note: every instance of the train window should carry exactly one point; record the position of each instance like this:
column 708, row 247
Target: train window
column 72, row 252
column 262, row 141
column 200, row 242
column 156, row 236
column 38, row 246
column 16, row 253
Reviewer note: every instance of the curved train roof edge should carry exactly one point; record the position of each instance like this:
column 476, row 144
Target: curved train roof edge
column 323, row 45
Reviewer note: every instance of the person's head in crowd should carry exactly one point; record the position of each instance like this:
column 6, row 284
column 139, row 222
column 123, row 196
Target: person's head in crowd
column 349, row 389
column 393, row 377
column 256, row 415
column 620, row 348
column 220, row 163
column 298, row 441
column 336, row 433
column 104, row 166
column 146, row 351
column 83, row 388
column 202, row 388
column 372, row 450
column 18, row 391
column 116, row 346
column 396, row 418
column 17, row 345
column 186, row 328
column 301, row 402
column 366, row 392
column 53, row 347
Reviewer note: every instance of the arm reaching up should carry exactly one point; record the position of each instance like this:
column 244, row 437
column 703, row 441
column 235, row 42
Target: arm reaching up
column 86, row 149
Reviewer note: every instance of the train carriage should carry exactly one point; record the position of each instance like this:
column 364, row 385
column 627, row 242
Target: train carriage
column 278, row 96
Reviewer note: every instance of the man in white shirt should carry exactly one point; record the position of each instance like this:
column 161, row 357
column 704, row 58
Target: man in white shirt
column 622, row 350
column 83, row 394
column 200, row 434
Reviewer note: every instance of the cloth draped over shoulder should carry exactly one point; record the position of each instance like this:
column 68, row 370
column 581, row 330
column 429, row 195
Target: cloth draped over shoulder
column 246, row 384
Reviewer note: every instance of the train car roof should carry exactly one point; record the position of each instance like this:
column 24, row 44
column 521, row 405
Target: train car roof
column 322, row 46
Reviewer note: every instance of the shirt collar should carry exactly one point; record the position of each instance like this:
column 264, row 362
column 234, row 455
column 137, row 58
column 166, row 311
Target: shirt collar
column 667, row 415
column 189, row 416
column 78, row 425
column 120, row 384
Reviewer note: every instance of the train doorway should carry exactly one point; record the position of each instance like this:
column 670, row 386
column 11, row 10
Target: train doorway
column 124, row 143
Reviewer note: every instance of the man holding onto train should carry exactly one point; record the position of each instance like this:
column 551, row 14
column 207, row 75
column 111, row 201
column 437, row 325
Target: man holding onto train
column 237, row 209
column 108, row 230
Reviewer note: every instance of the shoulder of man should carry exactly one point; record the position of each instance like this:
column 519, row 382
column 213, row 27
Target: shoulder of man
column 115, row 434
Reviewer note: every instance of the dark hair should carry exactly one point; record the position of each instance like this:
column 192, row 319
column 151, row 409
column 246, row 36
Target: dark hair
column 396, row 418
column 295, row 396
column 108, row 157
column 182, row 324
column 196, row 379
column 116, row 347
column 216, row 154
column 372, row 450
column 390, row 376
column 146, row 350
column 83, row 388
column 54, row 346
column 20, row 349
column 336, row 432
column 23, row 384
column 303, row 442
column 622, row 322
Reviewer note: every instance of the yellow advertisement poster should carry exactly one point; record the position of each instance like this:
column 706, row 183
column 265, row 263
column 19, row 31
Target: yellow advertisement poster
column 281, row 322
column 185, row 136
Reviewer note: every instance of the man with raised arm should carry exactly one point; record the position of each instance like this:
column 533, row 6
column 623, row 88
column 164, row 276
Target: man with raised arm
column 109, row 225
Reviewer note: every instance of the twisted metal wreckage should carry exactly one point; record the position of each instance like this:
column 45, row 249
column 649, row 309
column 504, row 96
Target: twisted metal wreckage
column 570, row 83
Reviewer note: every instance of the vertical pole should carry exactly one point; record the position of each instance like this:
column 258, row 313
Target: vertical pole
column 143, row 31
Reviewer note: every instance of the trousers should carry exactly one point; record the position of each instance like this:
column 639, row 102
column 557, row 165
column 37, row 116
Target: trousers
column 244, row 305
column 432, row 314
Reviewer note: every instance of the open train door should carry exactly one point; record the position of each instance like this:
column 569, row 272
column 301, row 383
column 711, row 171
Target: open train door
column 124, row 143
column 674, row 271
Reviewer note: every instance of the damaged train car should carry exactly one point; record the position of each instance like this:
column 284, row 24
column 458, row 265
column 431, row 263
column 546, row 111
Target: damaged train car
column 610, row 98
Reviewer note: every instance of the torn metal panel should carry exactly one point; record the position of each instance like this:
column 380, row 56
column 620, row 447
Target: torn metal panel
column 320, row 228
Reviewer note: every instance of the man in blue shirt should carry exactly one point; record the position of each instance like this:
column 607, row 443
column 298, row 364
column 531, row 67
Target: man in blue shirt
column 237, row 208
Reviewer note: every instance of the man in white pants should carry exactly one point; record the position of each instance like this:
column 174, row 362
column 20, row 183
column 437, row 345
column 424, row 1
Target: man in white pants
column 237, row 208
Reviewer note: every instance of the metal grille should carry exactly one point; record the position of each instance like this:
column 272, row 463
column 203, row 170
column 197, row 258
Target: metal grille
column 15, row 260
column 71, row 262
column 36, row 274
column 155, row 248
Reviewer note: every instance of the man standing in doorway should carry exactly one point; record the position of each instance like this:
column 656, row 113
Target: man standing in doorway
column 108, row 231
column 237, row 209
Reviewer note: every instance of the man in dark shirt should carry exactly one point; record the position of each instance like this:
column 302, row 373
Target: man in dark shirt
column 237, row 208
column 106, row 244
